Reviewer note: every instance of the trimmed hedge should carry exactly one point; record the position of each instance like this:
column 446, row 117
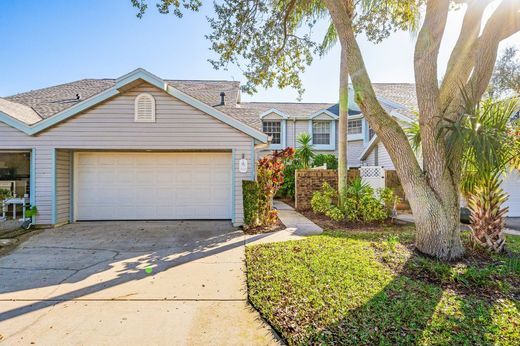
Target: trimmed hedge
column 250, row 195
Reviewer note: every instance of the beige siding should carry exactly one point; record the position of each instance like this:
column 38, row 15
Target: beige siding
column 354, row 150
column 111, row 126
column 63, row 185
column 301, row 126
column 384, row 157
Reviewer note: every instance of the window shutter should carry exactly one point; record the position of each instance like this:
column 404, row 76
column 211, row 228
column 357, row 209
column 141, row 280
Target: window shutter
column 144, row 108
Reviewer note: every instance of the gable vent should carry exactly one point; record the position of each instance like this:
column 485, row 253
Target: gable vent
column 144, row 108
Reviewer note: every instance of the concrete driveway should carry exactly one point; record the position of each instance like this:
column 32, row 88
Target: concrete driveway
column 130, row 283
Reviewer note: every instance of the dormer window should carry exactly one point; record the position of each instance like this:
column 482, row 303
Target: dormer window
column 321, row 132
column 273, row 128
column 355, row 126
column 145, row 108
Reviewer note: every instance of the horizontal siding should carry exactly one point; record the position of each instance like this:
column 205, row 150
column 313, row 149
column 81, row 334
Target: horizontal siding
column 63, row 185
column 384, row 157
column 354, row 150
column 111, row 126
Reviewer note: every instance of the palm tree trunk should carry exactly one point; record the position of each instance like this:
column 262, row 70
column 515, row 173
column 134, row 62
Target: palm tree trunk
column 343, row 122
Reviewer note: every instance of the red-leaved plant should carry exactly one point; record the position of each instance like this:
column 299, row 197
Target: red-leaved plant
column 270, row 179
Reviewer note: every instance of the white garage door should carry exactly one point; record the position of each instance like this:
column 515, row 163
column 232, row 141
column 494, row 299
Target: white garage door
column 511, row 185
column 152, row 186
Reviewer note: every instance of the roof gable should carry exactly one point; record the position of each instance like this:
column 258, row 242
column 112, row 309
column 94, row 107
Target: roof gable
column 121, row 84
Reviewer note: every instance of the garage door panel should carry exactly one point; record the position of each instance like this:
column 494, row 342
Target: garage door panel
column 126, row 186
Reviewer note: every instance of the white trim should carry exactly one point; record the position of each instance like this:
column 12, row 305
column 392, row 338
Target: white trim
column 283, row 135
column 332, row 143
column 369, row 148
column 323, row 111
column 138, row 74
column 275, row 111
column 136, row 108
column 400, row 116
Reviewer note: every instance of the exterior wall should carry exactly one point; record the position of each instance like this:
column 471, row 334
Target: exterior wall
column 309, row 181
column 111, row 126
column 63, row 185
column 384, row 157
column 354, row 150
column 379, row 157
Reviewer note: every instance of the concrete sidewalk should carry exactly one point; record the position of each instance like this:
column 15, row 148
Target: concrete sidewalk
column 297, row 226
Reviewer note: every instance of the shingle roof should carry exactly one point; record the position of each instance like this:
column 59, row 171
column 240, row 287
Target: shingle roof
column 401, row 93
column 49, row 101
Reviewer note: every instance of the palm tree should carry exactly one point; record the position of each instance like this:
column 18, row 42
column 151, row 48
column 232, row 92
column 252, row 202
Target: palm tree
column 304, row 152
column 489, row 151
column 489, row 142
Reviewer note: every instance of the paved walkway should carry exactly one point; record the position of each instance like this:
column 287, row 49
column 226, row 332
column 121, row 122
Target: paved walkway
column 512, row 224
column 297, row 226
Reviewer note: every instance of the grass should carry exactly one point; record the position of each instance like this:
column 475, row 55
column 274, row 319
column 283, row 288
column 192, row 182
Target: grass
column 370, row 288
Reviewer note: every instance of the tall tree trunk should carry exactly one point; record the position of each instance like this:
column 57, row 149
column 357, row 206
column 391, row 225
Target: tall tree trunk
column 343, row 122
column 433, row 197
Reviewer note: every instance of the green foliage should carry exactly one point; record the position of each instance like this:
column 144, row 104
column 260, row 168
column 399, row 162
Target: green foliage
column 305, row 153
column 357, row 203
column 270, row 178
column 333, row 289
column 273, row 42
column 31, row 212
column 506, row 76
column 329, row 159
column 323, row 200
column 482, row 137
column 250, row 195
column 288, row 188
column 4, row 194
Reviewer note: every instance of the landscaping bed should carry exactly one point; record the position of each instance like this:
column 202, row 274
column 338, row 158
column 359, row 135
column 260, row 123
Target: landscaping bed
column 356, row 287
column 277, row 226
column 327, row 223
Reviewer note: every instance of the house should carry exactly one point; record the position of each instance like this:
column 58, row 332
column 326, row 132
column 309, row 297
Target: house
column 144, row 148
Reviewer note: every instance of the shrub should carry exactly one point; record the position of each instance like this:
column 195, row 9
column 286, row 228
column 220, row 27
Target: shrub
column 288, row 188
column 357, row 203
column 270, row 178
column 323, row 200
column 250, row 195
column 4, row 194
column 329, row 159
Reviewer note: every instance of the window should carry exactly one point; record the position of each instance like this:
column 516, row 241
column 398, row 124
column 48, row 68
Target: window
column 355, row 126
column 145, row 108
column 321, row 132
column 273, row 129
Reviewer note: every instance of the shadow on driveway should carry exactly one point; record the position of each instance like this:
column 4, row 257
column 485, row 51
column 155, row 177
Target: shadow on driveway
column 83, row 259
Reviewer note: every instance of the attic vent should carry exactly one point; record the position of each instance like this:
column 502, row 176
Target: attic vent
column 145, row 108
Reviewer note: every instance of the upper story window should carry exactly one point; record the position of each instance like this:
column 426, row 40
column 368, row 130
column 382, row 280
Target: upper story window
column 273, row 128
column 145, row 108
column 321, row 132
column 355, row 126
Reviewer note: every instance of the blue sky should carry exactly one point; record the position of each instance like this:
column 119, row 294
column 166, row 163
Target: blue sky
column 51, row 42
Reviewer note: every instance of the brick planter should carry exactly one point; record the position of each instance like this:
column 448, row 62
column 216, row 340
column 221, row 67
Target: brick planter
column 309, row 181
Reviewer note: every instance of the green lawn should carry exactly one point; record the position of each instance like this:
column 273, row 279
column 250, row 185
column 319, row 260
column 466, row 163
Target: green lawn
column 370, row 288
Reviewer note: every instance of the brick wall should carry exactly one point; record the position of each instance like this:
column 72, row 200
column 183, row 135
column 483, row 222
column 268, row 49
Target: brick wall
column 309, row 181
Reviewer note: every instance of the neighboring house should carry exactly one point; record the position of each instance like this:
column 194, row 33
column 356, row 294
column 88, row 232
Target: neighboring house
column 144, row 148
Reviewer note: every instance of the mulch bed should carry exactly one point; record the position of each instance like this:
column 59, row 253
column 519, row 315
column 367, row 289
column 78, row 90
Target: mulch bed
column 278, row 226
column 328, row 224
